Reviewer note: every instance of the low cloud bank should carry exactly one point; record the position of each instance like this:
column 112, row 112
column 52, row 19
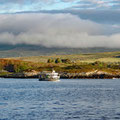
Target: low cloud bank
column 56, row 30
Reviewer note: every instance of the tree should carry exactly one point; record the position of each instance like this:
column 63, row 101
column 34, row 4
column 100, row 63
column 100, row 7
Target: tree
column 21, row 67
column 10, row 68
column 50, row 61
column 58, row 60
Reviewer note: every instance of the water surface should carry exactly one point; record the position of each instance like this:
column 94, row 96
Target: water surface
column 29, row 99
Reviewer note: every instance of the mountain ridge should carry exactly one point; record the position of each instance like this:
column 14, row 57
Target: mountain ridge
column 33, row 50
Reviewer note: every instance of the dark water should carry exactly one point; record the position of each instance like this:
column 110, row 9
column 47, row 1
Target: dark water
column 29, row 99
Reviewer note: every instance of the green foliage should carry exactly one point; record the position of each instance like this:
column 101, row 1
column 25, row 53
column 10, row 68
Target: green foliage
column 114, row 66
column 50, row 60
column 66, row 61
column 21, row 67
column 14, row 65
column 4, row 73
column 80, row 65
column 99, row 64
column 9, row 67
column 1, row 67
column 58, row 60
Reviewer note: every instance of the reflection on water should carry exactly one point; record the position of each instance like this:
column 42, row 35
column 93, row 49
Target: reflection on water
column 30, row 99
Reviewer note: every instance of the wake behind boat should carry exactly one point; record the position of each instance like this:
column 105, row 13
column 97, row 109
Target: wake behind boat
column 49, row 76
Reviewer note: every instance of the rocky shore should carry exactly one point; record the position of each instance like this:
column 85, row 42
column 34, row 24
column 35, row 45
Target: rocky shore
column 84, row 75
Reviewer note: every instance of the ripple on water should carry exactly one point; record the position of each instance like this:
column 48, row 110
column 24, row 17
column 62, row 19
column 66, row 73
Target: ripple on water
column 3, row 104
column 64, row 100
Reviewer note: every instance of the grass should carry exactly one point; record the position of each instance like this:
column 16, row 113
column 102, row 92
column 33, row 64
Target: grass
column 89, row 58
column 107, row 61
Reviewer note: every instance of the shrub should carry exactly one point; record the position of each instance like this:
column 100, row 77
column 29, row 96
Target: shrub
column 49, row 61
column 58, row 60
column 21, row 67
column 66, row 61
column 9, row 67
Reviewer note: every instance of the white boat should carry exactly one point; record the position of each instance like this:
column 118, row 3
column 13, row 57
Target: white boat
column 49, row 76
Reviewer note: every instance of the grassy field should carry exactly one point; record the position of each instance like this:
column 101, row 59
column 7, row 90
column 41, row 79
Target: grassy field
column 77, row 63
column 78, row 58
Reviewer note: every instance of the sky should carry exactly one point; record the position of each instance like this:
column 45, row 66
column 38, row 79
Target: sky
column 12, row 6
column 60, row 23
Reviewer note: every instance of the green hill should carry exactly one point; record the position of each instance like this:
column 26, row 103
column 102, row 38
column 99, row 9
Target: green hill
column 32, row 50
column 78, row 58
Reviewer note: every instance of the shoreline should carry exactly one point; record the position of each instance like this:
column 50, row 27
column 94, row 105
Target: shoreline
column 93, row 75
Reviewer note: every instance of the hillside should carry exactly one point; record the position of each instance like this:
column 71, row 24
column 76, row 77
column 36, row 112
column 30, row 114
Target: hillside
column 92, row 65
column 78, row 58
column 23, row 50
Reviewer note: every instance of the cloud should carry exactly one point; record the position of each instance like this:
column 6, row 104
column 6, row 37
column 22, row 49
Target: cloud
column 56, row 30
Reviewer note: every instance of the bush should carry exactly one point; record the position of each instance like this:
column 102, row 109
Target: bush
column 66, row 61
column 16, row 67
column 10, row 68
column 21, row 67
column 58, row 60
column 50, row 61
